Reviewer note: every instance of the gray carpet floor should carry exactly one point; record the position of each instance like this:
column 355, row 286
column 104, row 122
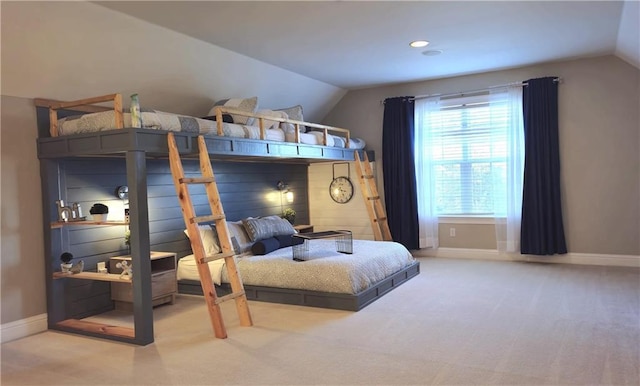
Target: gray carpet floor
column 460, row 322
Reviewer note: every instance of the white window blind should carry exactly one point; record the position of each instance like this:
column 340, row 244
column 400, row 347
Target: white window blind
column 468, row 149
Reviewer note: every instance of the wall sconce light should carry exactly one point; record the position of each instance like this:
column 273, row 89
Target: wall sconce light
column 289, row 196
column 284, row 191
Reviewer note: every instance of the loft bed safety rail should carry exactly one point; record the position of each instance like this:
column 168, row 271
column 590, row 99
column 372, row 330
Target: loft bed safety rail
column 86, row 105
column 89, row 105
column 220, row 110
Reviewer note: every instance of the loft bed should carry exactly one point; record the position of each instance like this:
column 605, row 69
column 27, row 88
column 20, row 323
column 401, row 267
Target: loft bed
column 111, row 135
column 136, row 145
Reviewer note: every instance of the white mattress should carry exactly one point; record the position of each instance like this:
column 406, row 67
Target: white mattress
column 159, row 120
column 316, row 138
column 325, row 271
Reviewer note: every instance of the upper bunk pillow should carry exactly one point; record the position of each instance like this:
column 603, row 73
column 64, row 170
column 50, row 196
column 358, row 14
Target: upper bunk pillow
column 265, row 227
column 295, row 113
column 249, row 105
column 270, row 113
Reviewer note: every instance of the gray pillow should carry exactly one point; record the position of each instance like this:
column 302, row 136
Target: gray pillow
column 295, row 113
column 265, row 227
column 249, row 105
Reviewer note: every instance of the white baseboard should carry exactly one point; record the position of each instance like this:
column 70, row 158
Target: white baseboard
column 569, row 258
column 22, row 328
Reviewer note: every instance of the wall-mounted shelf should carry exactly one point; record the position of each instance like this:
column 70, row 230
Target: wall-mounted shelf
column 60, row 224
column 92, row 276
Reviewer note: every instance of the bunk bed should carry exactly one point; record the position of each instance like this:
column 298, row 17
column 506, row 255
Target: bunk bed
column 60, row 138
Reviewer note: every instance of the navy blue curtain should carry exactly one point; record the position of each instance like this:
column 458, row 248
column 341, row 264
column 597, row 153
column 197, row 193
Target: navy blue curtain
column 542, row 231
column 399, row 171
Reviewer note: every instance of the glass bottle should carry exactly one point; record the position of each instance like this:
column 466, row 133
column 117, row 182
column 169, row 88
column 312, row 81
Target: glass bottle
column 134, row 109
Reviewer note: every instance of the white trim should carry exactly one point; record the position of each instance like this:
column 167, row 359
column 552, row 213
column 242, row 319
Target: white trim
column 569, row 258
column 22, row 328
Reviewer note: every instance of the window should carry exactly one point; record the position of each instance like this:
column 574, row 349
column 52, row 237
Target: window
column 468, row 149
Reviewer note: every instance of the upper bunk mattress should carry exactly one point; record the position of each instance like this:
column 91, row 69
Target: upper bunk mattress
column 159, row 120
column 325, row 271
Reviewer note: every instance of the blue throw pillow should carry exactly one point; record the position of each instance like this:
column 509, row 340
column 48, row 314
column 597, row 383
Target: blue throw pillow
column 265, row 246
column 288, row 240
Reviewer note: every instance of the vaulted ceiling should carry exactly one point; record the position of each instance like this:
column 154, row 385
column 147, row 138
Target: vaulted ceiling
column 356, row 44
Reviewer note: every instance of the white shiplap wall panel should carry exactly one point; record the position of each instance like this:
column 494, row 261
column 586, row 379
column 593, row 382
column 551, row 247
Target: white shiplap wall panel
column 326, row 214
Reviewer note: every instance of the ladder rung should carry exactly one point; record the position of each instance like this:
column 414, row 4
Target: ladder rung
column 217, row 256
column 373, row 198
column 211, row 217
column 224, row 298
column 196, row 180
column 379, row 219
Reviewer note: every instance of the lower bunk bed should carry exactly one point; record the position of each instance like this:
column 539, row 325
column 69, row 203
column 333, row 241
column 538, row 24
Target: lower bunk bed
column 327, row 279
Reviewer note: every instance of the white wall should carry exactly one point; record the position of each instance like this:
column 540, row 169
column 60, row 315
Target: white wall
column 74, row 50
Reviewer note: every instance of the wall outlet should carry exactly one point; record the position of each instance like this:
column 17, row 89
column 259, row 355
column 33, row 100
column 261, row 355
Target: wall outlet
column 452, row 232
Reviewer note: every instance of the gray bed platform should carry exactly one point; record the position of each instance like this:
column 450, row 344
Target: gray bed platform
column 336, row 301
column 154, row 144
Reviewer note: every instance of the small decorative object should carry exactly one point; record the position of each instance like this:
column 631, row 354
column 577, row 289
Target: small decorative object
column 66, row 265
column 127, row 239
column 72, row 213
column 289, row 214
column 77, row 267
column 102, row 267
column 134, row 109
column 127, row 270
column 64, row 212
column 99, row 212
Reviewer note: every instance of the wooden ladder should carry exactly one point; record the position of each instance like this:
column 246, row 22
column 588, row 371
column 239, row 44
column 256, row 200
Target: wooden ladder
column 217, row 215
column 372, row 200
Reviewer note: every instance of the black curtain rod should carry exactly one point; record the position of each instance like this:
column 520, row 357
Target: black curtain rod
column 521, row 84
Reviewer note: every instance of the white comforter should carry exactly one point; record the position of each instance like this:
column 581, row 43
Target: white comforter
column 325, row 271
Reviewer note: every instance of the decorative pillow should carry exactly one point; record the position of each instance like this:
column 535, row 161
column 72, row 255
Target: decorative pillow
column 209, row 238
column 270, row 113
column 265, row 227
column 240, row 241
column 295, row 113
column 250, row 105
column 265, row 246
column 225, row 118
column 288, row 240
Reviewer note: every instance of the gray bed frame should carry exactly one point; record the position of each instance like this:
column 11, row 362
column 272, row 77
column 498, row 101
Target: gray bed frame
column 338, row 301
column 138, row 145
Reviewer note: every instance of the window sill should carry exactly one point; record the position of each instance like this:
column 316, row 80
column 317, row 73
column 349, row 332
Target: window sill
column 466, row 220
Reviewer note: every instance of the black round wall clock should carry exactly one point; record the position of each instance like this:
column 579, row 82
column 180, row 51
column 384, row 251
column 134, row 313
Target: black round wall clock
column 341, row 190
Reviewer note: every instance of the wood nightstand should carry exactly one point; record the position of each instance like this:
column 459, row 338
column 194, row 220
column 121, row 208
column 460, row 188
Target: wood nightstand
column 303, row 228
column 163, row 281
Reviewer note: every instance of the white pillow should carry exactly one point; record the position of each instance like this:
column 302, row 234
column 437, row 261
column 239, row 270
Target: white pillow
column 209, row 239
column 240, row 240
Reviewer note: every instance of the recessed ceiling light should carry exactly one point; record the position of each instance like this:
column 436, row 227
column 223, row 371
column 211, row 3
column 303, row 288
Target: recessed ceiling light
column 431, row 52
column 418, row 43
